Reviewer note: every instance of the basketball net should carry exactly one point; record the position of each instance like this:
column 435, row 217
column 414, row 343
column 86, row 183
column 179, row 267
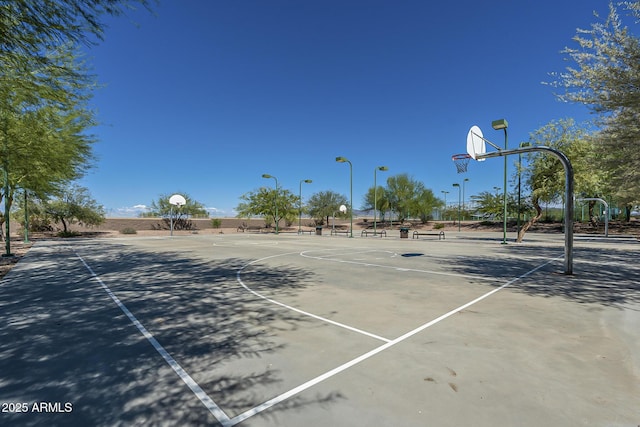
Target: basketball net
column 461, row 161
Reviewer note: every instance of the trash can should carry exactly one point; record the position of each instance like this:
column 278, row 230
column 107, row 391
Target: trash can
column 404, row 232
column 318, row 231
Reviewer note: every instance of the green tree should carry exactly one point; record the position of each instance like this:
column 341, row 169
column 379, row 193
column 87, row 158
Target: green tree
column 39, row 219
column 38, row 71
column 489, row 205
column 606, row 78
column 380, row 198
column 43, row 139
column 403, row 194
column 424, row 205
column 262, row 202
column 179, row 215
column 30, row 27
column 75, row 205
column 324, row 204
column 544, row 175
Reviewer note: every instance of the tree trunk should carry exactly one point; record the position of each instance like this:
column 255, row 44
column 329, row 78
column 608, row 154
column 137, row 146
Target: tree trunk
column 532, row 221
column 64, row 224
column 592, row 218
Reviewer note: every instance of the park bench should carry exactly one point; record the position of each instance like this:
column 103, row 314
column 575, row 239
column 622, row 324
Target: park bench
column 255, row 228
column 346, row 232
column 440, row 234
column 365, row 233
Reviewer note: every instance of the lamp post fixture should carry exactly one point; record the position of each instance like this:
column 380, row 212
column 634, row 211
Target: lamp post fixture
column 445, row 203
column 306, row 181
column 375, row 196
column 458, row 185
column 344, row 160
column 266, row 175
column 463, row 208
column 497, row 125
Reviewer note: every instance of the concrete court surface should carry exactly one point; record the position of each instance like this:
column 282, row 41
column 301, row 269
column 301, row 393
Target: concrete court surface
column 287, row 330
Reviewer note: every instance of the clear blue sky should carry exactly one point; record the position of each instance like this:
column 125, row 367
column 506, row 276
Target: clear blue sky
column 205, row 96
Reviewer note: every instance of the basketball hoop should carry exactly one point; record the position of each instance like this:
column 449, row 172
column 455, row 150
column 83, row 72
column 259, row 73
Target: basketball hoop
column 461, row 161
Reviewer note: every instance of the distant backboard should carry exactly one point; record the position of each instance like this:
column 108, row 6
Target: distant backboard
column 177, row 200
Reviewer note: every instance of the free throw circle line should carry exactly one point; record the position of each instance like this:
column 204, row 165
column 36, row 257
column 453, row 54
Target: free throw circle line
column 441, row 273
column 297, row 310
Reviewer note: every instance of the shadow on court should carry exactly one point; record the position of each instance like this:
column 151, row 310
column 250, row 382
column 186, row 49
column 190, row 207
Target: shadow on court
column 610, row 276
column 64, row 341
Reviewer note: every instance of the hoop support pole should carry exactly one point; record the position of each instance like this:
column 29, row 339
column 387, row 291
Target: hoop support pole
column 487, row 141
column 568, row 193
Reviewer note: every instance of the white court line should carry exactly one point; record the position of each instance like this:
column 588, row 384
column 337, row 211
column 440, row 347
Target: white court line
column 441, row 273
column 215, row 410
column 306, row 313
column 269, row 403
column 218, row 413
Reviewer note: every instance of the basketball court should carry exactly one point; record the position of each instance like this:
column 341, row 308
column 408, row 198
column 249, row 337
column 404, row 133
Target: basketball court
column 287, row 330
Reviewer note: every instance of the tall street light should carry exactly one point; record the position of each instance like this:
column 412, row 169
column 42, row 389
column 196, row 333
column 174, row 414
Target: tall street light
column 375, row 196
column 306, row 181
column 26, row 218
column 458, row 185
column 445, row 202
column 463, row 208
column 497, row 125
column 266, row 175
column 7, row 238
column 344, row 160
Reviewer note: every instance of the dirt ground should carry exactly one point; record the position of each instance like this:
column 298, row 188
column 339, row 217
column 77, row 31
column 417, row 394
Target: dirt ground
column 18, row 249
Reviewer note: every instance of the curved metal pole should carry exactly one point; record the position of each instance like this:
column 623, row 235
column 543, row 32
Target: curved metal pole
column 568, row 195
column 606, row 212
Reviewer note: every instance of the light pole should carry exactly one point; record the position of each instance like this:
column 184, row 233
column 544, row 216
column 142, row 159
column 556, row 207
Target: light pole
column 445, row 203
column 266, row 175
column 26, row 218
column 375, row 196
column 497, row 125
column 306, row 181
column 463, row 208
column 344, row 160
column 6, row 213
column 458, row 185
column 522, row 144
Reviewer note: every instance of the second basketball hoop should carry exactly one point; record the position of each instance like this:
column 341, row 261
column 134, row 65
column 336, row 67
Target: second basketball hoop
column 461, row 161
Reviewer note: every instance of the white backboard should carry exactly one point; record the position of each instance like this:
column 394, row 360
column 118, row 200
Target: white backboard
column 475, row 143
column 177, row 200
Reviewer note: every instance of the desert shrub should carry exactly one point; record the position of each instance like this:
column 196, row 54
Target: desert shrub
column 128, row 230
column 216, row 223
column 438, row 226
